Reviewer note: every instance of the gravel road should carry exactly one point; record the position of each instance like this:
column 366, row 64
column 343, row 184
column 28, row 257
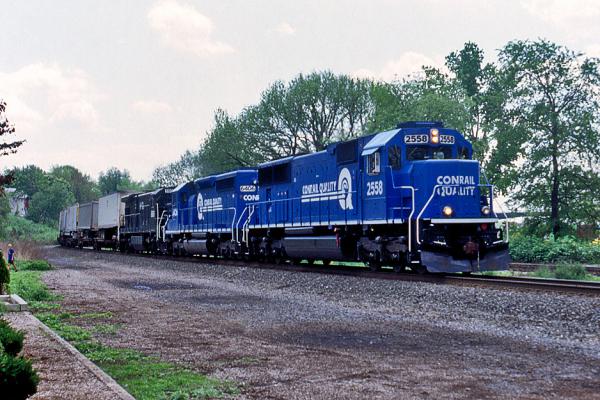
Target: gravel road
column 290, row 335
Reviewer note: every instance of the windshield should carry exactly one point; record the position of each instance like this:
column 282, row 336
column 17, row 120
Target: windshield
column 415, row 153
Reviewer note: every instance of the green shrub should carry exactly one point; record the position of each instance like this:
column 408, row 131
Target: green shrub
column 543, row 272
column 19, row 228
column 34, row 265
column 570, row 271
column 4, row 273
column 12, row 340
column 18, row 380
column 565, row 249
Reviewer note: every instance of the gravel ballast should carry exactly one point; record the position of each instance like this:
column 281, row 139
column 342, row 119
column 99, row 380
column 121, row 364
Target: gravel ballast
column 282, row 334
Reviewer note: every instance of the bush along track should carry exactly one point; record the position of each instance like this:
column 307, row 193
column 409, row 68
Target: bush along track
column 531, row 249
column 18, row 380
column 565, row 271
column 145, row 376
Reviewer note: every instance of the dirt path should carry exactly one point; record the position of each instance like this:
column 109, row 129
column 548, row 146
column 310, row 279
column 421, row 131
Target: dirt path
column 285, row 335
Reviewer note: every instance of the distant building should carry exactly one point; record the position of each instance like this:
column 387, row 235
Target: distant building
column 19, row 202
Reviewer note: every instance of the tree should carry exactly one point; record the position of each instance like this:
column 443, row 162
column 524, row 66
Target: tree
column 29, row 179
column 303, row 115
column 230, row 145
column 114, row 180
column 6, row 128
column 6, row 146
column 186, row 169
column 83, row 187
column 432, row 96
column 482, row 95
column 47, row 203
column 548, row 149
column 4, row 212
column 464, row 99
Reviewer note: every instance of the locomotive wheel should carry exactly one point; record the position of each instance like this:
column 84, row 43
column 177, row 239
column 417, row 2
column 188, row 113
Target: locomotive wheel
column 398, row 268
column 374, row 265
column 296, row 261
column 310, row 262
column 326, row 262
column 419, row 269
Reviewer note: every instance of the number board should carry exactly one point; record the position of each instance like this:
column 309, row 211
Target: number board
column 416, row 138
column 447, row 139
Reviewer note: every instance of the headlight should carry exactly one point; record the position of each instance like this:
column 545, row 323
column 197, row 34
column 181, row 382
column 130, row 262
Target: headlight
column 447, row 211
column 485, row 210
column 435, row 136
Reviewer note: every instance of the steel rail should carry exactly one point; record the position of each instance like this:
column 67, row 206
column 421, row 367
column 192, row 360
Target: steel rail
column 530, row 267
column 554, row 285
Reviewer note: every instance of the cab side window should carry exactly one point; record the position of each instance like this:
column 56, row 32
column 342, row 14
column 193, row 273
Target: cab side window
column 394, row 157
column 374, row 163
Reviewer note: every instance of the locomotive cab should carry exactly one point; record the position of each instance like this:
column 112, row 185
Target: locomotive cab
column 423, row 179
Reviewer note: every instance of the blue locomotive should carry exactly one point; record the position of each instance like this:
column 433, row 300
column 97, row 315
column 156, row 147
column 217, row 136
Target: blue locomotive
column 206, row 214
column 411, row 197
column 408, row 197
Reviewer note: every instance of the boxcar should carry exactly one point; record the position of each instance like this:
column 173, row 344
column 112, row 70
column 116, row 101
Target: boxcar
column 87, row 225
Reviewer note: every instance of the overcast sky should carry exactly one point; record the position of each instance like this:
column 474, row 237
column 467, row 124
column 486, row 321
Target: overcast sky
column 133, row 84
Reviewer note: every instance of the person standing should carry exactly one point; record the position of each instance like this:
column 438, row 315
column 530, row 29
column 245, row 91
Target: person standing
column 11, row 257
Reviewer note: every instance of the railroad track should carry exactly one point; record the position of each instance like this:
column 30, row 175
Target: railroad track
column 506, row 282
column 530, row 267
column 556, row 285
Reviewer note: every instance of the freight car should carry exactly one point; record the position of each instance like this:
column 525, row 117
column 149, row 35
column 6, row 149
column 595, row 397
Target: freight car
column 87, row 224
column 409, row 197
column 111, row 213
column 68, row 226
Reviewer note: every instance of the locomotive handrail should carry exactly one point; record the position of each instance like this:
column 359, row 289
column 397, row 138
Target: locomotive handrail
column 412, row 211
column 434, row 193
column 233, row 220
column 237, row 224
column 503, row 212
column 245, row 228
column 494, row 201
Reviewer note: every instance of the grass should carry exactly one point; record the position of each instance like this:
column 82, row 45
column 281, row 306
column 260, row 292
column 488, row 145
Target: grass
column 96, row 315
column 33, row 265
column 29, row 285
column 106, row 329
column 565, row 271
column 19, row 228
column 562, row 271
column 146, row 377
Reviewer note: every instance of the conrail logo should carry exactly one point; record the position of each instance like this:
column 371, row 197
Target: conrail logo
column 455, row 180
column 208, row 205
column 456, row 185
column 340, row 190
